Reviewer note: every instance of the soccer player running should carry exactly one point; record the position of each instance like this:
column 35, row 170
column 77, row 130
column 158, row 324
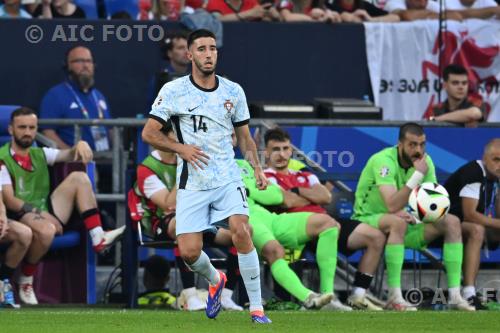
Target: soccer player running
column 205, row 108
column 381, row 197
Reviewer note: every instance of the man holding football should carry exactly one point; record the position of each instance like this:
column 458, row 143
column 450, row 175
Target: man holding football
column 381, row 197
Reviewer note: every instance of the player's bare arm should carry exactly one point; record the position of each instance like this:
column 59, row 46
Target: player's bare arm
column 81, row 151
column 469, row 207
column 30, row 212
column 193, row 154
column 317, row 194
column 249, row 151
column 462, row 116
column 3, row 220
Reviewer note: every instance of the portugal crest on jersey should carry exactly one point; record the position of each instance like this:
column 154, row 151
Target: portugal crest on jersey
column 228, row 105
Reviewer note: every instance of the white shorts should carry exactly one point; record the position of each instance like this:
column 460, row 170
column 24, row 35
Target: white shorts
column 198, row 211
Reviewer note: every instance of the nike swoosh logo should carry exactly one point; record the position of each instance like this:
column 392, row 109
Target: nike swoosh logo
column 189, row 110
column 253, row 277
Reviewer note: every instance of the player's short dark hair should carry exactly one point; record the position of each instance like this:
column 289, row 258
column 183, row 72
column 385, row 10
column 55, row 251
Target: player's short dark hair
column 168, row 43
column 276, row 134
column 158, row 267
column 453, row 69
column 200, row 33
column 22, row 111
column 412, row 128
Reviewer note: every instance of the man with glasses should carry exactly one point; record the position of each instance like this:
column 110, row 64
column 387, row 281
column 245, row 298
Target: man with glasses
column 76, row 98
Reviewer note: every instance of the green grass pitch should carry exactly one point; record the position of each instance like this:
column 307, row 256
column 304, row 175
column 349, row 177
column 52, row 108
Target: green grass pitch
column 67, row 320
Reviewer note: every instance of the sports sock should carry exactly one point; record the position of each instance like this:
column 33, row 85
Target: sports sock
column 326, row 256
column 287, row 278
column 250, row 272
column 232, row 268
column 469, row 291
column 204, row 267
column 454, row 294
column 452, row 257
column 394, row 257
column 28, row 269
column 362, row 282
column 6, row 272
column 92, row 221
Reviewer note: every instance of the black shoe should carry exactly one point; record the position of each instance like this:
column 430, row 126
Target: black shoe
column 476, row 302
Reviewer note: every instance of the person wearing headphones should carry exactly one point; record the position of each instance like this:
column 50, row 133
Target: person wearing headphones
column 76, row 98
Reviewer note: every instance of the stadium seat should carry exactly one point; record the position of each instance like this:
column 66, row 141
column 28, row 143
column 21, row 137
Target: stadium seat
column 89, row 7
column 129, row 6
column 67, row 272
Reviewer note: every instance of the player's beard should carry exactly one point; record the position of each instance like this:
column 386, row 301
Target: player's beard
column 84, row 81
column 206, row 72
column 408, row 159
column 23, row 142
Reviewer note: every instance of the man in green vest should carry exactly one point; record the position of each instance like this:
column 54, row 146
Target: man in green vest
column 29, row 199
column 17, row 238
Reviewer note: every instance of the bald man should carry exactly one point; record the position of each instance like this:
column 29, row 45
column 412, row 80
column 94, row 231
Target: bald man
column 474, row 192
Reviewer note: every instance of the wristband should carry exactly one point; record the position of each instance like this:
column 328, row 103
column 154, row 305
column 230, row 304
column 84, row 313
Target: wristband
column 415, row 179
column 295, row 190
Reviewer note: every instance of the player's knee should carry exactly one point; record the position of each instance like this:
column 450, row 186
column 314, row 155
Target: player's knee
column 452, row 224
column 476, row 233
column 44, row 233
column 25, row 236
column 189, row 253
column 241, row 232
column 79, row 178
column 377, row 239
column 399, row 226
column 327, row 222
column 273, row 251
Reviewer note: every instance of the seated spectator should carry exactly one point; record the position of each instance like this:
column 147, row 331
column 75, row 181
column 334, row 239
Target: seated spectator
column 18, row 238
column 474, row 190
column 29, row 199
column 469, row 4
column 459, row 107
column 411, row 10
column 58, row 9
column 76, row 98
column 12, row 9
column 155, row 279
column 121, row 15
column 306, row 11
column 242, row 10
column 357, row 11
column 166, row 10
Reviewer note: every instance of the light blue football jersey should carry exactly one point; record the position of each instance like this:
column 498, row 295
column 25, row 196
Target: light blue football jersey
column 204, row 118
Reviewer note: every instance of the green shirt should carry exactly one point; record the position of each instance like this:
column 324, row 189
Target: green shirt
column 271, row 196
column 383, row 168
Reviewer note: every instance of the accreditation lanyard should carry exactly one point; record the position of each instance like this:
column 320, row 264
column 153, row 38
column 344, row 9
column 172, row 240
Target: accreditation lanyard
column 489, row 210
column 82, row 107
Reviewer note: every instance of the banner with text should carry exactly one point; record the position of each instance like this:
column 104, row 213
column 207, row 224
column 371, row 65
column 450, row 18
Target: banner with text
column 404, row 67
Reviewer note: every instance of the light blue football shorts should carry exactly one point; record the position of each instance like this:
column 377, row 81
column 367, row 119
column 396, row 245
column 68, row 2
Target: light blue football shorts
column 199, row 211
